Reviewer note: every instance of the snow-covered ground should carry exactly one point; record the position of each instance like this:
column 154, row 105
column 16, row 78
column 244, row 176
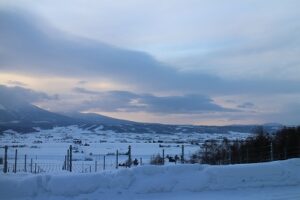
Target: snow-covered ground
column 273, row 180
column 48, row 148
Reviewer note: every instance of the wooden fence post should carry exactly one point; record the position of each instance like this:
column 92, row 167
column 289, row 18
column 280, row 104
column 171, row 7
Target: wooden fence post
column 31, row 163
column 104, row 163
column 5, row 159
column 117, row 159
column 182, row 153
column 25, row 165
column 163, row 156
column 65, row 164
column 16, row 158
column 95, row 165
column 229, row 156
column 129, row 156
column 70, row 158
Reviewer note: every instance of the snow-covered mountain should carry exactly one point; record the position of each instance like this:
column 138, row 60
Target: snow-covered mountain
column 27, row 113
column 23, row 117
column 18, row 114
column 15, row 108
column 96, row 118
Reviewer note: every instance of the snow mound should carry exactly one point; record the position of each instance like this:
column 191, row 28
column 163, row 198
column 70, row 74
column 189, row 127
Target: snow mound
column 152, row 179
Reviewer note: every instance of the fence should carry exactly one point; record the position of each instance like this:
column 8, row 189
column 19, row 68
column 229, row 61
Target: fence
column 28, row 163
column 243, row 154
column 18, row 162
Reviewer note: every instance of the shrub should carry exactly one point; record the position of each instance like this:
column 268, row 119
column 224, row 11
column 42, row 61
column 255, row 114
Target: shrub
column 156, row 160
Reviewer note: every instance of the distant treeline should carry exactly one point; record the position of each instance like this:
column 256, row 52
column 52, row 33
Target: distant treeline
column 262, row 147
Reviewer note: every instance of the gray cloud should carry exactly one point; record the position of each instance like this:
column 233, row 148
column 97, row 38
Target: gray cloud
column 246, row 105
column 124, row 101
column 84, row 91
column 21, row 95
column 16, row 83
column 82, row 82
column 289, row 115
column 27, row 46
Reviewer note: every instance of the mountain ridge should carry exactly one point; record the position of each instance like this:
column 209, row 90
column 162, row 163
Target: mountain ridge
column 21, row 116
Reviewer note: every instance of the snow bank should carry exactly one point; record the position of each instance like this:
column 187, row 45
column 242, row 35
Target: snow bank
column 153, row 179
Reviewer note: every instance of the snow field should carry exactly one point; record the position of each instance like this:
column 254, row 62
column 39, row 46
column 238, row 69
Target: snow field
column 152, row 180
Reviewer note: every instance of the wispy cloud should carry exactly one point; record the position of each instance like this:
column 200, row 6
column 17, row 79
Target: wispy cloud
column 246, row 105
column 124, row 101
column 16, row 83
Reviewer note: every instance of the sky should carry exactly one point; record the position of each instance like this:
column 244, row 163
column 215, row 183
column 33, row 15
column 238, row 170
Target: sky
column 179, row 62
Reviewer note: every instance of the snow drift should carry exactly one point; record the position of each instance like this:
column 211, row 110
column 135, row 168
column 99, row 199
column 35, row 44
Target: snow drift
column 152, row 179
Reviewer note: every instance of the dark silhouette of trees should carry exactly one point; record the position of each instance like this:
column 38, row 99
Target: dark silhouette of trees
column 262, row 147
column 287, row 143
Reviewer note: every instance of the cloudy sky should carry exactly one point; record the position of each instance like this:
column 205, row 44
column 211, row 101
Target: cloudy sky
column 184, row 62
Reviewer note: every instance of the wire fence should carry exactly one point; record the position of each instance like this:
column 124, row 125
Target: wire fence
column 14, row 161
column 46, row 167
column 28, row 163
column 239, row 154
